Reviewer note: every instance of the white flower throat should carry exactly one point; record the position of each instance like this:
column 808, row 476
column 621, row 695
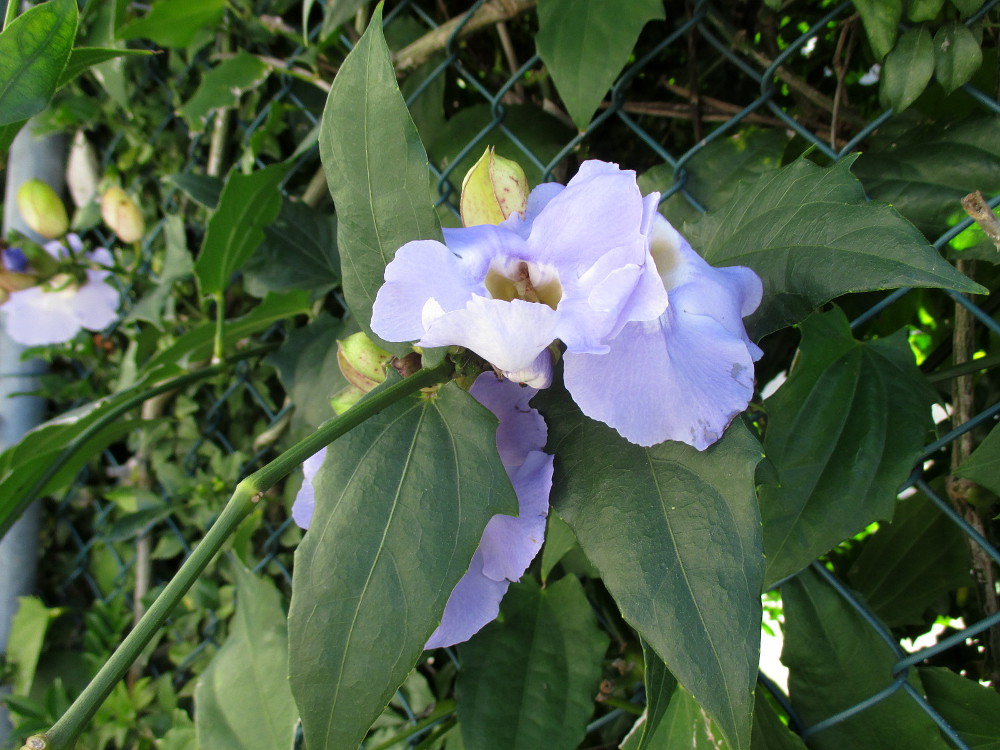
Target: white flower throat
column 519, row 279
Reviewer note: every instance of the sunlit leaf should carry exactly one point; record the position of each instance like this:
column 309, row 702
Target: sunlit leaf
column 222, row 86
column 175, row 23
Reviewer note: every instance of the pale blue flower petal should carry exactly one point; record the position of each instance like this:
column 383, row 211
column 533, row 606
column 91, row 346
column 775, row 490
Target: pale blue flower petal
column 95, row 303
column 305, row 500
column 474, row 602
column 38, row 318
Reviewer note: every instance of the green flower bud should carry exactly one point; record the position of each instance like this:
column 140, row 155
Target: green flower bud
column 42, row 210
column 122, row 215
column 362, row 361
column 345, row 399
column 493, row 189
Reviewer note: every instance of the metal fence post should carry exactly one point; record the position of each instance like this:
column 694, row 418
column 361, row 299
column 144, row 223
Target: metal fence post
column 44, row 159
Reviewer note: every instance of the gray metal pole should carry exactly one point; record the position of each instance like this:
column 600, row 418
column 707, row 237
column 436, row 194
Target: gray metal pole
column 45, row 159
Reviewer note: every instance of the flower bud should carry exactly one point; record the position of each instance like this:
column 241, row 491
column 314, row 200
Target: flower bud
column 493, row 189
column 122, row 215
column 362, row 361
column 42, row 210
column 345, row 398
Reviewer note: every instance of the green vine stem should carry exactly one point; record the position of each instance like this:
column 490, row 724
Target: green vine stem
column 248, row 493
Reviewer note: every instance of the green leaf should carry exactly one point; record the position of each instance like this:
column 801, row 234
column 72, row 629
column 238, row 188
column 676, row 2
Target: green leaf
column 684, row 725
column 83, row 58
column 973, row 710
column 25, row 640
column 909, row 564
column 177, row 265
column 881, row 21
column 675, row 534
column 7, row 135
column 222, row 86
column 199, row 188
column 308, row 369
column 661, row 686
column 769, row 733
column 586, row 43
column 175, row 23
column 967, row 7
column 196, row 344
column 983, row 466
column 835, row 661
column 843, row 434
column 242, row 699
column 715, row 172
column 924, row 170
column 401, row 503
column 299, row 252
column 247, row 205
column 335, row 13
column 34, row 49
column 957, row 55
column 908, row 69
column 559, row 539
column 811, row 235
column 530, row 680
column 377, row 172
column 923, row 10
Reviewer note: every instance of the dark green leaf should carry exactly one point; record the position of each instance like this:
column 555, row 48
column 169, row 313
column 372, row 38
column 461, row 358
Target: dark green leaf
column 401, row 503
column 714, row 173
column 881, row 20
column 769, row 733
column 967, row 7
column 242, row 700
column 957, row 55
column 924, row 171
column 247, row 205
column 200, row 188
column 811, row 235
column 910, row 563
column 175, row 23
column 377, row 172
column 299, row 252
column 675, row 534
column 222, row 86
column 559, row 539
column 983, row 466
column 196, row 344
column 83, row 58
column 842, row 433
column 530, row 680
column 923, row 10
column 34, row 49
column 7, row 135
column 684, row 725
column 308, row 369
column 908, row 69
column 586, row 43
column 836, row 660
column 973, row 710
column 661, row 686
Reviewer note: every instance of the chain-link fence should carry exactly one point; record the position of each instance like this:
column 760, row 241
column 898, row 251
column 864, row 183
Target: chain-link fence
column 694, row 81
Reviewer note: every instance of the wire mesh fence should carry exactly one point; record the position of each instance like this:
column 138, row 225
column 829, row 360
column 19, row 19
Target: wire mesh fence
column 693, row 82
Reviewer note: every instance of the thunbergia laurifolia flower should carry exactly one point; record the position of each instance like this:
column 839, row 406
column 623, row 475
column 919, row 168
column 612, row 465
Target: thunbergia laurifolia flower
column 508, row 544
column 54, row 310
column 654, row 336
column 686, row 375
column 575, row 268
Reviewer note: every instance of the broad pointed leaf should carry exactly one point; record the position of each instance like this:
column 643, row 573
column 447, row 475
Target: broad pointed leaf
column 811, row 235
column 530, row 680
column 248, row 204
column 377, row 172
column 836, row 660
column 175, row 23
column 660, row 689
column 675, row 534
column 222, row 86
column 908, row 69
column 957, row 55
column 586, row 43
column 972, row 709
column 401, row 503
column 34, row 49
column 843, row 433
column 910, row 563
column 242, row 699
column 983, row 466
column 881, row 20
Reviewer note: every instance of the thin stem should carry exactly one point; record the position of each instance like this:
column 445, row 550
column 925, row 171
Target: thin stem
column 248, row 493
column 220, row 319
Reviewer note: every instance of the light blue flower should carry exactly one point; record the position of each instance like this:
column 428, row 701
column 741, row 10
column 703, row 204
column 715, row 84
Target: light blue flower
column 575, row 268
column 508, row 544
column 55, row 310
